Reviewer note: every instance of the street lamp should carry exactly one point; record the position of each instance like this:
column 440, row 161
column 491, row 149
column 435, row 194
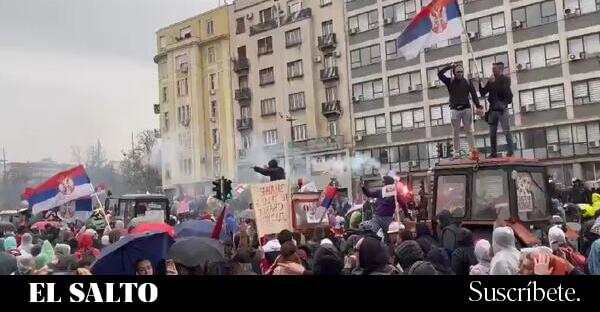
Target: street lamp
column 286, row 161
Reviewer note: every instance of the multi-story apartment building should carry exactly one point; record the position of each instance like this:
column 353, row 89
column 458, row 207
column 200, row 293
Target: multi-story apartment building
column 196, row 101
column 291, row 88
column 551, row 48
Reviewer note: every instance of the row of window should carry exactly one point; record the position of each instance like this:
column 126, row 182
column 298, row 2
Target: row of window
column 403, row 120
column 292, row 38
column 186, row 32
column 299, row 133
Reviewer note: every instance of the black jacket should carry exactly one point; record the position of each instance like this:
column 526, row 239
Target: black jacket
column 462, row 260
column 459, row 90
column 580, row 195
column 276, row 173
column 499, row 91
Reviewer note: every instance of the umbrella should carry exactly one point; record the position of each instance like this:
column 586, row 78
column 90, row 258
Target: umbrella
column 7, row 227
column 153, row 227
column 195, row 251
column 247, row 214
column 137, row 221
column 121, row 257
column 41, row 225
column 197, row 228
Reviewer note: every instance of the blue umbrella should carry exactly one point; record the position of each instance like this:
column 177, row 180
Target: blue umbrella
column 121, row 257
column 197, row 228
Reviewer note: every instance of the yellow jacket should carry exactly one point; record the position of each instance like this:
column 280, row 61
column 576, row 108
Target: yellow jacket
column 590, row 210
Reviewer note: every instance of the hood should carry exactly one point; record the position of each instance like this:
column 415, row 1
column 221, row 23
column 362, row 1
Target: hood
column 327, row 261
column 273, row 163
column 443, row 218
column 371, row 255
column 440, row 260
column 595, row 199
column 62, row 250
column 556, row 235
column 407, row 253
column 503, row 238
column 10, row 243
column 465, row 238
column 482, row 251
column 272, row 246
column 119, row 225
column 422, row 268
column 85, row 241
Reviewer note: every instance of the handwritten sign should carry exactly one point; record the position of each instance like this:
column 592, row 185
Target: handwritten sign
column 271, row 207
column 388, row 190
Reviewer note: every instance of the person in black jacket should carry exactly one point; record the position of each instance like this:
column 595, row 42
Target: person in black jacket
column 579, row 194
column 463, row 257
column 273, row 171
column 499, row 96
column 459, row 89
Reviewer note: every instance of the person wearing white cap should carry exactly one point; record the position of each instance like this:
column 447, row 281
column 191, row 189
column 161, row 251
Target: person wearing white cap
column 394, row 231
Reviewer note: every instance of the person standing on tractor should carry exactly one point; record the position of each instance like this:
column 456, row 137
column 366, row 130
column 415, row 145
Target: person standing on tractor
column 385, row 207
column 273, row 171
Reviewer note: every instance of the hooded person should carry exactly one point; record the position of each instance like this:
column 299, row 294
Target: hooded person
column 439, row 258
column 463, row 257
column 26, row 243
column 373, row 258
column 85, row 243
column 10, row 246
column 242, row 262
column 25, row 265
column 8, row 263
column 327, row 261
column 288, row 256
column 422, row 268
column 385, row 207
column 593, row 261
column 424, row 237
column 46, row 255
column 407, row 253
column 483, row 254
column 449, row 227
column 273, row 171
column 506, row 256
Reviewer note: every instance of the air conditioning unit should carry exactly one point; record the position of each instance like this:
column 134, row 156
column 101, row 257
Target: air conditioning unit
column 525, row 66
column 318, row 59
column 213, row 91
column 574, row 57
column 473, row 35
column 553, row 148
column 413, row 163
column 528, row 108
column 516, row 24
column 353, row 31
column 434, row 84
column 337, row 53
column 358, row 138
column 249, row 16
column 356, row 99
column 388, row 21
column 594, row 144
column 570, row 13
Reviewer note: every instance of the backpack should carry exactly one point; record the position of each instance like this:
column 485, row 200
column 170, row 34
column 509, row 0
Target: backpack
column 574, row 257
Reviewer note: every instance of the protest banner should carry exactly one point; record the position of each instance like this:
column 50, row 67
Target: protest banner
column 272, row 207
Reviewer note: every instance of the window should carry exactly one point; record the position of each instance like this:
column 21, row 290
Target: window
column 181, row 62
column 210, row 27
column 183, row 114
column 587, row 91
column 333, row 127
column 215, row 137
column 484, row 64
column 185, row 33
column 296, row 101
column 329, row 61
column 270, row 137
column 400, row 11
column 243, row 82
column 266, row 76
column 582, row 6
column 588, row 45
column 213, row 81
column 268, row 107
column 293, row 37
column 531, row 196
column 432, row 73
column 294, row 69
column 543, row 98
column 408, row 119
column 182, row 87
column 246, row 141
column 440, row 115
column 391, row 50
column 538, row 56
column 162, row 70
column 331, row 94
column 240, row 25
column 325, row 2
column 367, row 90
column 363, row 22
column 164, row 94
column 446, row 43
column 451, row 194
column 327, row 27
column 163, row 41
column 245, row 112
column 166, row 121
column 294, row 7
column 213, row 109
column 265, row 45
column 491, row 200
column 370, row 125
column 299, row 133
column 211, row 55
column 365, row 56
column 404, row 83
column 487, row 26
column 266, row 15
column 535, row 14
column 185, row 166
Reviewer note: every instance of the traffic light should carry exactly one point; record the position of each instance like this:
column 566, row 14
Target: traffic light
column 217, row 189
column 449, row 150
column 440, row 152
column 227, row 191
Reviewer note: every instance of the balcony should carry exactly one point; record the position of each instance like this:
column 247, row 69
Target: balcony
column 298, row 16
column 243, row 124
column 241, row 64
column 329, row 74
column 327, row 42
column 243, row 94
column 242, row 153
column 318, row 144
column 331, row 109
column 264, row 26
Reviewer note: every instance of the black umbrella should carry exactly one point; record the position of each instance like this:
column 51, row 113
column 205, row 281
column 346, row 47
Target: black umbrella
column 194, row 251
column 7, row 227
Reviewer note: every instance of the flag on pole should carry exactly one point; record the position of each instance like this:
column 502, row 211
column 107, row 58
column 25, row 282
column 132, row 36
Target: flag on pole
column 438, row 21
column 219, row 226
column 328, row 196
column 62, row 188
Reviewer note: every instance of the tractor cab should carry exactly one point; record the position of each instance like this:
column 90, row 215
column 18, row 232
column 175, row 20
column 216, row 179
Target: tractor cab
column 129, row 206
column 480, row 193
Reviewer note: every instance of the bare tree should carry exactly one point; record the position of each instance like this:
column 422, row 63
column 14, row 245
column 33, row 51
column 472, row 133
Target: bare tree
column 139, row 172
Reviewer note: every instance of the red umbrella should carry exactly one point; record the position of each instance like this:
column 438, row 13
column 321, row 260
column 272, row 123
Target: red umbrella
column 153, row 227
column 41, row 225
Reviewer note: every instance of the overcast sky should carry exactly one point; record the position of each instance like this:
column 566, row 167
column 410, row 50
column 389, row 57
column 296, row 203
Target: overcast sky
column 75, row 71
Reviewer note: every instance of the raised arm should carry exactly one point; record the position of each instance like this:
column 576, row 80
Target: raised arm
column 442, row 76
column 372, row 194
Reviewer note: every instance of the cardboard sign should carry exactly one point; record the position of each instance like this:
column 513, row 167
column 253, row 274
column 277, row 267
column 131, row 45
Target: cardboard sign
column 388, row 190
column 272, row 207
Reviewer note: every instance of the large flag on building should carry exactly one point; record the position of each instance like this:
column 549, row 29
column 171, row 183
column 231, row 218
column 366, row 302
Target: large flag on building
column 438, row 21
column 62, row 188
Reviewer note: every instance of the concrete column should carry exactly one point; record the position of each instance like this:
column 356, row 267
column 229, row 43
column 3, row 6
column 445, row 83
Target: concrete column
column 578, row 171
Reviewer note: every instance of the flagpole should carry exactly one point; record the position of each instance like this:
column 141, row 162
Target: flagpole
column 471, row 52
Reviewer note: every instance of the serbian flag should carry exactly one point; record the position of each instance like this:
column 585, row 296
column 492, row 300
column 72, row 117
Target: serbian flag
column 328, row 196
column 438, row 21
column 62, row 188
